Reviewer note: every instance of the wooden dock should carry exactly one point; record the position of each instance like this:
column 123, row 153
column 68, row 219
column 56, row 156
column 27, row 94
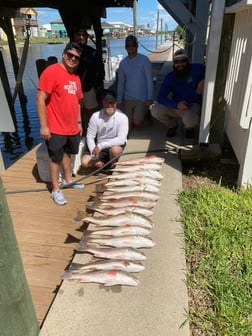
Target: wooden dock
column 46, row 233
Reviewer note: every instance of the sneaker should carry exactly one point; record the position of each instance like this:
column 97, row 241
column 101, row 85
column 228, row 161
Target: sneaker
column 58, row 197
column 72, row 184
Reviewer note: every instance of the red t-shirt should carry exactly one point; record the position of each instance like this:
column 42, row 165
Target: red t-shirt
column 64, row 91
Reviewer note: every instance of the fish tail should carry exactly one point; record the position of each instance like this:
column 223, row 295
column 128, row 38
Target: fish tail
column 82, row 246
column 67, row 275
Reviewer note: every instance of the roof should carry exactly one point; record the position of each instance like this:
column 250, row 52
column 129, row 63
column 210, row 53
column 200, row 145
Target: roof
column 85, row 13
column 58, row 4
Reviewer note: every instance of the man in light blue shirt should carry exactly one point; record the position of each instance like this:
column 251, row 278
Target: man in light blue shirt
column 135, row 84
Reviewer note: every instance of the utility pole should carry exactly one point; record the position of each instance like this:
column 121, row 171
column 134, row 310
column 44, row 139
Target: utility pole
column 135, row 17
column 157, row 28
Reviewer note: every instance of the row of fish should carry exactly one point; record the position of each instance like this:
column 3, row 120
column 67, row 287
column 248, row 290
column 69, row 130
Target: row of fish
column 122, row 224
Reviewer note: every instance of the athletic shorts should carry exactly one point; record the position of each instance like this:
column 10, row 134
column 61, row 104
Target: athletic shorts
column 104, row 155
column 60, row 144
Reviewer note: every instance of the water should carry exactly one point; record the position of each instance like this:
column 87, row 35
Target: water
column 15, row 145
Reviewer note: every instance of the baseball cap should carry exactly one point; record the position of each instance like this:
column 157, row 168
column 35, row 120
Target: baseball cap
column 73, row 46
column 80, row 30
column 131, row 39
column 109, row 95
column 179, row 54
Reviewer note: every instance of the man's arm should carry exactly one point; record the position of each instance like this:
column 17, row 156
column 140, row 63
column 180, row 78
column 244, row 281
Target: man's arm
column 163, row 93
column 41, row 110
column 91, row 133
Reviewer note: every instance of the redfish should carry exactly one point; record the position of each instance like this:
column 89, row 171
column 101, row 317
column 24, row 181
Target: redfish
column 122, row 265
column 145, row 203
column 128, row 218
column 106, row 277
column 140, row 194
column 121, row 210
column 146, row 159
column 139, row 187
column 123, row 241
column 147, row 173
column 144, row 166
column 125, row 253
column 119, row 231
column 133, row 181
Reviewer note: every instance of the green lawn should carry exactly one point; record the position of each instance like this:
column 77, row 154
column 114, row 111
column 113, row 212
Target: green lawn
column 218, row 247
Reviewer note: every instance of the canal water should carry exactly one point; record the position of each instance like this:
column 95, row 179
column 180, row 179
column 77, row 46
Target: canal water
column 15, row 145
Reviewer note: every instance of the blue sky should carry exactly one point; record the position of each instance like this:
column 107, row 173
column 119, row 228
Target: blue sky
column 146, row 14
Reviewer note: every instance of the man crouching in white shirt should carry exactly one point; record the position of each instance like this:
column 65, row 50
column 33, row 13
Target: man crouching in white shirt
column 106, row 134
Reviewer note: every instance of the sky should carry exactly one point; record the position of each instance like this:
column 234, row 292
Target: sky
column 146, row 11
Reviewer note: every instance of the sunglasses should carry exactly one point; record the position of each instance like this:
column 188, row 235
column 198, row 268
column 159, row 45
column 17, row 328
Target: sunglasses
column 182, row 61
column 72, row 56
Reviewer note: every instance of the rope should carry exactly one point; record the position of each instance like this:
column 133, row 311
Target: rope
column 155, row 52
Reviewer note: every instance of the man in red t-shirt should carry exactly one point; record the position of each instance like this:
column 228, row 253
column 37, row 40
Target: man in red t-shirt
column 58, row 96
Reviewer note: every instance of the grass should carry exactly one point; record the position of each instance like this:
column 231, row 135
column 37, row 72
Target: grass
column 218, row 246
column 36, row 40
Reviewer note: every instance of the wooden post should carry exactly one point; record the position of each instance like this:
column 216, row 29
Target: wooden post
column 18, row 317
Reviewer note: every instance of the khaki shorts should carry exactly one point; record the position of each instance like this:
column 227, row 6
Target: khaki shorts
column 135, row 110
column 89, row 101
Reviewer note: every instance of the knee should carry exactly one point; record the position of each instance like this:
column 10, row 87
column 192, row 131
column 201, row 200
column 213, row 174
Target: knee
column 191, row 121
column 153, row 110
column 138, row 122
column 115, row 150
column 85, row 161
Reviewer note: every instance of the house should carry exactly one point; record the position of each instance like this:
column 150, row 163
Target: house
column 25, row 23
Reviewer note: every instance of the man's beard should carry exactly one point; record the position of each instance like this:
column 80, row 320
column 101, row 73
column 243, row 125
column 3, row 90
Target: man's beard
column 109, row 111
column 181, row 74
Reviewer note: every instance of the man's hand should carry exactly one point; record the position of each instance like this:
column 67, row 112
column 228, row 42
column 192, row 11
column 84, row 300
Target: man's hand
column 149, row 102
column 183, row 105
column 200, row 87
column 96, row 151
column 45, row 133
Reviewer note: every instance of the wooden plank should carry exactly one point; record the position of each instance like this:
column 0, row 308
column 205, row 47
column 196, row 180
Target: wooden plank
column 46, row 233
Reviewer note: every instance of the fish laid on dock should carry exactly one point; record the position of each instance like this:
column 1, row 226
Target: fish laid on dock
column 125, row 253
column 106, row 277
column 129, row 188
column 128, row 218
column 140, row 194
column 144, row 166
column 133, row 181
column 122, row 265
column 154, row 174
column 118, row 231
column 146, row 159
column 131, row 201
column 117, row 211
column 123, row 241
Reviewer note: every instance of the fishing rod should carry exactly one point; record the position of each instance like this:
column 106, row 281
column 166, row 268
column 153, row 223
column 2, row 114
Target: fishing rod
column 98, row 170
